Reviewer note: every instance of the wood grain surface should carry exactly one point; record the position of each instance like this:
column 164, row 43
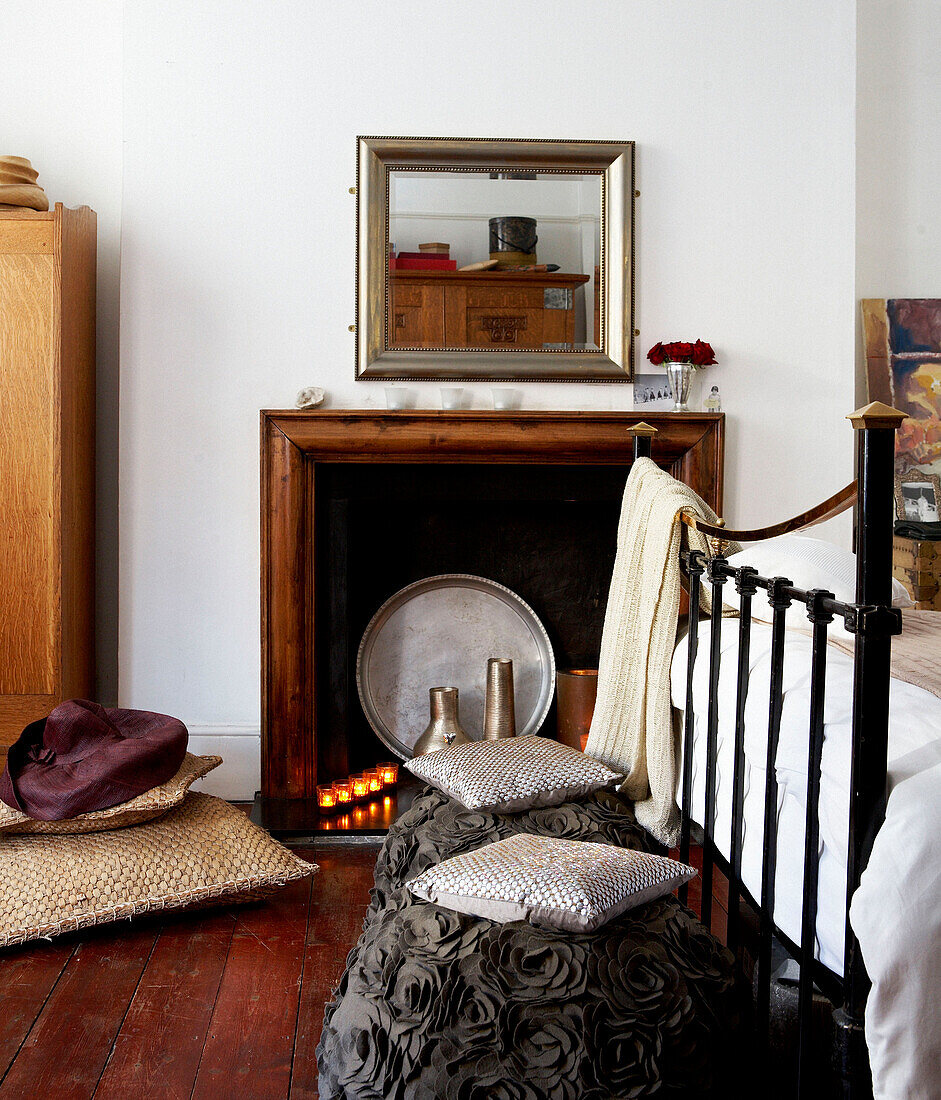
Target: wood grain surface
column 47, row 459
column 29, row 593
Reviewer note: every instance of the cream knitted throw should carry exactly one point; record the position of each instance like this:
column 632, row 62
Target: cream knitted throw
column 631, row 729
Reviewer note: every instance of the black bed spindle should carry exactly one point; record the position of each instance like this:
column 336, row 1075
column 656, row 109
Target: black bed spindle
column 780, row 602
column 717, row 579
column 820, row 616
column 746, row 587
column 695, row 567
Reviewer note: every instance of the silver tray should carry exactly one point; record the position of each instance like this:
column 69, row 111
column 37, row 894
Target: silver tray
column 439, row 632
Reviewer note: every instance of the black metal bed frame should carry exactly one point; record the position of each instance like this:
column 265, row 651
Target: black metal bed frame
column 873, row 621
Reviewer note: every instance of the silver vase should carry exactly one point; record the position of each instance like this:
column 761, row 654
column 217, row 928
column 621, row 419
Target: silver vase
column 444, row 729
column 680, row 375
column 499, row 704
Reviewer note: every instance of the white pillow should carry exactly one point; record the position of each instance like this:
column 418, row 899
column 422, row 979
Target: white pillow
column 808, row 563
column 572, row 885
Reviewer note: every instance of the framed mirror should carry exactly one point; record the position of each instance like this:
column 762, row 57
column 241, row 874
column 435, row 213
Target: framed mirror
column 490, row 259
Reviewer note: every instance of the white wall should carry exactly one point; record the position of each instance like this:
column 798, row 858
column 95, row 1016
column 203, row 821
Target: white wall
column 62, row 79
column 237, row 141
column 898, row 163
column 237, row 279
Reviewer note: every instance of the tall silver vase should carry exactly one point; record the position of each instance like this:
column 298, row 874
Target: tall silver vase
column 680, row 375
column 444, row 729
column 499, row 704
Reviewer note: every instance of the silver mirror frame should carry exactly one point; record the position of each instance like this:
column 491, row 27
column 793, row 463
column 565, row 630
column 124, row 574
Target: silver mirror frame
column 612, row 161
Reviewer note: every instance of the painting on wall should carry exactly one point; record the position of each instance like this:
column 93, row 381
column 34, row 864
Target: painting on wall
column 903, row 367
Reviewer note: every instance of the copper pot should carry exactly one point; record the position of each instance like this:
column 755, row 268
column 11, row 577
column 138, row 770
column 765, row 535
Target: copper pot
column 576, row 690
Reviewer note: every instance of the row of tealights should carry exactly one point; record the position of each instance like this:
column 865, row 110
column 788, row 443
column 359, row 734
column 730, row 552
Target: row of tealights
column 360, row 787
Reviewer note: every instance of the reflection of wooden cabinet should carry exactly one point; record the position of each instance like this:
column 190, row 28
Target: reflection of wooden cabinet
column 47, row 462
column 482, row 309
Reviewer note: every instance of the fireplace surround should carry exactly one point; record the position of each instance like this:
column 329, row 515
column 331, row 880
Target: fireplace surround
column 357, row 503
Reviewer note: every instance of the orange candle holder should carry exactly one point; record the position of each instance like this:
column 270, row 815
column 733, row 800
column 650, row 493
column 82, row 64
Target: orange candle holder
column 326, row 799
column 375, row 780
column 360, row 786
column 343, row 790
column 389, row 772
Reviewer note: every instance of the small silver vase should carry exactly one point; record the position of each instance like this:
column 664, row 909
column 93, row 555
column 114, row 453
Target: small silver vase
column 444, row 729
column 499, row 704
column 680, row 375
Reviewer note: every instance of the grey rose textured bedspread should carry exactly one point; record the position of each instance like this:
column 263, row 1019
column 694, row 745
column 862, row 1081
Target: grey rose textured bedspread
column 436, row 1004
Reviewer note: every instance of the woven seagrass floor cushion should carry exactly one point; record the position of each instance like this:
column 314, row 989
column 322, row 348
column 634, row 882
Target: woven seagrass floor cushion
column 202, row 851
column 144, row 807
column 438, row 1004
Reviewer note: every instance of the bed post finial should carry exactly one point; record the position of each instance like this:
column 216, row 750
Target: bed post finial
column 643, row 438
column 876, row 415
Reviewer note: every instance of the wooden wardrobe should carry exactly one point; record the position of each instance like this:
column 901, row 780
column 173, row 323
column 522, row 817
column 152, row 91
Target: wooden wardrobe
column 47, row 462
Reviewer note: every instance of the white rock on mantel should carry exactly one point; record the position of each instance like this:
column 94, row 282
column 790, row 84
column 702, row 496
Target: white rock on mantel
column 310, row 398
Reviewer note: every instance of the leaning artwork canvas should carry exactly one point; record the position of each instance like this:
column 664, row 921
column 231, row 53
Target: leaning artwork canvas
column 903, row 367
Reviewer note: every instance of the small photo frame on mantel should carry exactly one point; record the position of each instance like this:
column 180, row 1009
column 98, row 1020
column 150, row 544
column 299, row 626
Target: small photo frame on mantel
column 917, row 496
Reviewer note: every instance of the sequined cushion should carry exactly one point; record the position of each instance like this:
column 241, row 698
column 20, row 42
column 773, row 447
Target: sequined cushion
column 512, row 773
column 550, row 881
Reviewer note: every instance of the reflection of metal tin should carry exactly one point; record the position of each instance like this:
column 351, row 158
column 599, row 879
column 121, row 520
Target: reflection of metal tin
column 442, row 630
column 499, row 707
column 576, row 690
column 513, row 240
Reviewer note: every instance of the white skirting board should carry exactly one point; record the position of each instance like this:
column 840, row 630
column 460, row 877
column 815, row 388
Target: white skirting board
column 238, row 777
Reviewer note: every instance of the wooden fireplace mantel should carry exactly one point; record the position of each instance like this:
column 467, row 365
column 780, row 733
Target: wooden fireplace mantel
column 293, row 443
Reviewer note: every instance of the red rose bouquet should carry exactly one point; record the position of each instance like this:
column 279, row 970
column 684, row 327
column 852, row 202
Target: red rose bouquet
column 699, row 354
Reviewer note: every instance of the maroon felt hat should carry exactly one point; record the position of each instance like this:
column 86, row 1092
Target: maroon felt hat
column 86, row 757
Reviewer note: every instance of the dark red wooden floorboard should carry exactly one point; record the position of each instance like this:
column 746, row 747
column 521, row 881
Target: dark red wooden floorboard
column 339, row 899
column 27, row 977
column 158, row 1049
column 67, row 1047
column 323, row 966
column 250, row 1044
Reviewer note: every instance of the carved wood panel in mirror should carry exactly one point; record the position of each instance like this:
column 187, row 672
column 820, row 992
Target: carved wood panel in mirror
column 495, row 259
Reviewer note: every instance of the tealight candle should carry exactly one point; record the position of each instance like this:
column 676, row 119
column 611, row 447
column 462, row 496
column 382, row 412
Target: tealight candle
column 343, row 789
column 360, row 785
column 375, row 780
column 326, row 798
column 390, row 773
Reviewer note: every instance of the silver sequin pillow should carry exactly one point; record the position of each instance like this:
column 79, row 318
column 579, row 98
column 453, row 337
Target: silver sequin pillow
column 567, row 884
column 512, row 773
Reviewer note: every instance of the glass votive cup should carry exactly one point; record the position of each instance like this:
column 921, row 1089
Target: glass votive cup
column 399, row 397
column 452, row 397
column 360, row 785
column 375, row 780
column 506, row 399
column 389, row 772
column 326, row 798
column 343, row 789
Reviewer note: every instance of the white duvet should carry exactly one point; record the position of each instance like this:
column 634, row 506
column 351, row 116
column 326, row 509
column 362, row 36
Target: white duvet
column 896, row 913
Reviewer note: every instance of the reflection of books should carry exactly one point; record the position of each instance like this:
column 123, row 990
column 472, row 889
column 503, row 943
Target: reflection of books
column 422, row 263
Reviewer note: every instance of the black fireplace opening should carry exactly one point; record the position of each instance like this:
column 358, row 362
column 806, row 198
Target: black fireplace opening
column 547, row 532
